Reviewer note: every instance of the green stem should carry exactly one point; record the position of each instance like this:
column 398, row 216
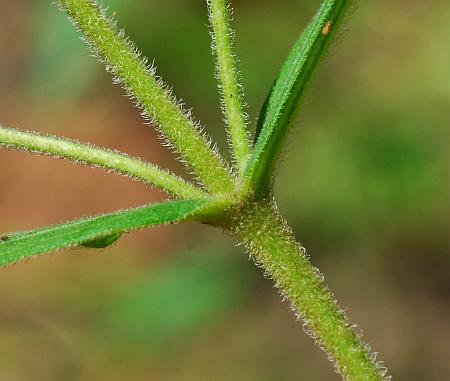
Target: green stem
column 271, row 242
column 151, row 94
column 228, row 79
column 93, row 156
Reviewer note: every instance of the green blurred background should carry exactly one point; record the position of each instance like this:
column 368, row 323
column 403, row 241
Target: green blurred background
column 364, row 182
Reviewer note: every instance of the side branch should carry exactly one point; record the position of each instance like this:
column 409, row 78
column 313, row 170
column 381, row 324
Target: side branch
column 97, row 157
column 229, row 86
column 123, row 60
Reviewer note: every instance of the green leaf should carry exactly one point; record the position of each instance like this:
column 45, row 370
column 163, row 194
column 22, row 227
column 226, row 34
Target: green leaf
column 282, row 104
column 99, row 231
column 102, row 241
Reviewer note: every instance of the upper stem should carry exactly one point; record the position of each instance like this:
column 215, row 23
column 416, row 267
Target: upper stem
column 228, row 82
column 160, row 106
column 271, row 242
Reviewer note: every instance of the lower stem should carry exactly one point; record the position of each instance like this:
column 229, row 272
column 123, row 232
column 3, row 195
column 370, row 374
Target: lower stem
column 271, row 242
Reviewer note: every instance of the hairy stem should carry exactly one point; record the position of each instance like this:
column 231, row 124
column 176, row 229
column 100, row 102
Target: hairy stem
column 158, row 104
column 229, row 85
column 272, row 244
column 93, row 156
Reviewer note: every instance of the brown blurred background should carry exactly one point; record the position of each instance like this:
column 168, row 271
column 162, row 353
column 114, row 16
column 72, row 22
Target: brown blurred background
column 364, row 182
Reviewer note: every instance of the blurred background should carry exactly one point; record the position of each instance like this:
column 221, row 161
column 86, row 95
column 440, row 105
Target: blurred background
column 364, row 182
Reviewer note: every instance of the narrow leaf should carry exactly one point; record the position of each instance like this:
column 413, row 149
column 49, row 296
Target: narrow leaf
column 282, row 104
column 97, row 232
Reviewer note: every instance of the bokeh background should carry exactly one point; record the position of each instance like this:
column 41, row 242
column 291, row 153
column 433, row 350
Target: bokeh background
column 364, row 182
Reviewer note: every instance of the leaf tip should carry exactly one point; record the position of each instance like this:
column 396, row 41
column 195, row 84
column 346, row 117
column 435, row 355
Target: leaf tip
column 102, row 242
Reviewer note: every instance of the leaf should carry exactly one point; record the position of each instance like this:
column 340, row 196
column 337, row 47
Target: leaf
column 96, row 232
column 102, row 241
column 282, row 103
column 262, row 117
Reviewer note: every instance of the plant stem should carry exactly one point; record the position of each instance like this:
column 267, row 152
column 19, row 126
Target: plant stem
column 271, row 242
column 159, row 105
column 93, row 156
column 228, row 79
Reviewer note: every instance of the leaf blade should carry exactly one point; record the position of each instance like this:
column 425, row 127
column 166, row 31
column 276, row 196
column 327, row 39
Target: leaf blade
column 93, row 231
column 283, row 100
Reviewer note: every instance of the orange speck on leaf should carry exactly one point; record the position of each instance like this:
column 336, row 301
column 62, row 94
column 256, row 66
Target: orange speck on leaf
column 327, row 28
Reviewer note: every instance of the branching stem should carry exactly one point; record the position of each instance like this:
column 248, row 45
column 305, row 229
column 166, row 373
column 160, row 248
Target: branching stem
column 246, row 212
column 159, row 105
